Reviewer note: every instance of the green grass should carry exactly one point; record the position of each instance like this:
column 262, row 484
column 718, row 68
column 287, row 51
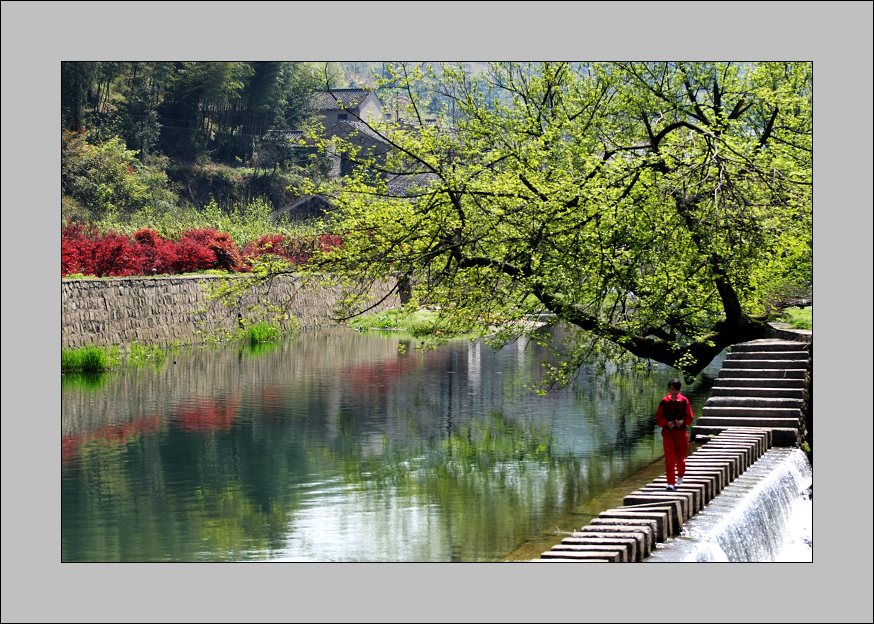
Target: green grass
column 88, row 359
column 138, row 355
column 244, row 222
column 420, row 323
column 102, row 359
column 799, row 318
column 262, row 332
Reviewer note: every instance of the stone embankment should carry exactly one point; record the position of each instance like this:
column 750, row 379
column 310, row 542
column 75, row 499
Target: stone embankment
column 165, row 310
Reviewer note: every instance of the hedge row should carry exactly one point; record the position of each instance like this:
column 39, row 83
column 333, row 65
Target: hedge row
column 87, row 251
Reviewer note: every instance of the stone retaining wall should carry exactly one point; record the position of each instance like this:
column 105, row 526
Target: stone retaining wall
column 162, row 310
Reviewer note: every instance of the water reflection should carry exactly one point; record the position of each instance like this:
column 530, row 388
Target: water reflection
column 338, row 446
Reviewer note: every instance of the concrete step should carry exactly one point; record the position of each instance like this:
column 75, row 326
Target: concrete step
column 612, row 552
column 761, row 373
column 602, row 556
column 768, row 355
column 767, row 393
column 682, row 502
column 748, row 411
column 761, row 437
column 568, row 559
column 748, row 447
column 740, row 421
column 769, row 345
column 702, row 487
column 779, row 364
column 732, row 380
column 695, row 491
column 739, row 400
column 636, row 525
column 672, row 510
column 780, row 436
column 732, row 466
column 628, row 544
column 717, row 478
column 644, row 535
column 662, row 518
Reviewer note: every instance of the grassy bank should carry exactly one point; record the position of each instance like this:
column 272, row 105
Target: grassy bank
column 420, row 323
column 799, row 318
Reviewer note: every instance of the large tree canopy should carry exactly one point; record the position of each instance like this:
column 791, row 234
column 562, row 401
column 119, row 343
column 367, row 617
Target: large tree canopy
column 661, row 208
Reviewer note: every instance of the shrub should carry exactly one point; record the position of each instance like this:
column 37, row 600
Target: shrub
column 225, row 253
column 116, row 255
column 105, row 176
column 158, row 254
column 268, row 244
column 191, row 256
column 327, row 242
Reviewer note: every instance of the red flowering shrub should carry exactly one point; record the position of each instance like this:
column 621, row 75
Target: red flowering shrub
column 225, row 252
column 191, row 256
column 77, row 248
column 116, row 255
column 84, row 249
column 69, row 257
column 158, row 254
column 328, row 241
column 267, row 244
column 295, row 250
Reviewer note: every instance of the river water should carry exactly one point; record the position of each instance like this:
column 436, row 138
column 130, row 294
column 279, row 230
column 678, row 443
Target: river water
column 335, row 445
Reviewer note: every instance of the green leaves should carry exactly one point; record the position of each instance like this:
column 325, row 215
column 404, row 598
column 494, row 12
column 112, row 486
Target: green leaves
column 650, row 204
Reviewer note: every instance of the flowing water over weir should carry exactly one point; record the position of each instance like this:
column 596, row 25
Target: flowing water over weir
column 741, row 499
column 763, row 515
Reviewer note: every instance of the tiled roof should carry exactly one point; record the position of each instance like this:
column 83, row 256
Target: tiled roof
column 362, row 128
column 291, row 135
column 332, row 100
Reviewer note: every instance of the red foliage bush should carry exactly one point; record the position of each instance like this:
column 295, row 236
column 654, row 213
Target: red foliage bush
column 84, row 249
column 225, row 252
column 191, row 256
column 116, row 255
column 267, row 244
column 69, row 257
column 158, row 254
column 328, row 241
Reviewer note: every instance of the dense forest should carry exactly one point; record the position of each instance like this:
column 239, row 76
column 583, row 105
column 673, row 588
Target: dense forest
column 168, row 135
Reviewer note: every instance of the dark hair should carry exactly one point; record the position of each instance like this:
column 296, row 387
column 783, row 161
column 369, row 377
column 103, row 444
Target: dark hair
column 674, row 383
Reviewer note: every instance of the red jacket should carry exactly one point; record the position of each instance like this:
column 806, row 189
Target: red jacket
column 670, row 409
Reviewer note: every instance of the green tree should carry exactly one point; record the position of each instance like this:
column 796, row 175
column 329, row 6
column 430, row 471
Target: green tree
column 660, row 208
column 106, row 178
column 76, row 79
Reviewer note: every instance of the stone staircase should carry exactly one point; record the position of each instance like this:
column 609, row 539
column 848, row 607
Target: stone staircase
column 763, row 384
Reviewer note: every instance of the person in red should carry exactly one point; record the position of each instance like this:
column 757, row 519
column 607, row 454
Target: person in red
column 674, row 415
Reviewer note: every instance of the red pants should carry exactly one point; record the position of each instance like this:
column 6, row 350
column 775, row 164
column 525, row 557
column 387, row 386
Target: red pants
column 676, row 442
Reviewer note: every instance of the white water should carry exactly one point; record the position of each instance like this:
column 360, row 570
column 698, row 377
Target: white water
column 763, row 515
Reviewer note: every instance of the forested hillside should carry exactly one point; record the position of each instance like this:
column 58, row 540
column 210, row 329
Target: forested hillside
column 176, row 135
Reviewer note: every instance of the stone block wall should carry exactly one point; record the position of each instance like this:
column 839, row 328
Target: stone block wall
column 163, row 310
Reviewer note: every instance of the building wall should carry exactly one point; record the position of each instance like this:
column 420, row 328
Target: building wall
column 162, row 310
column 371, row 109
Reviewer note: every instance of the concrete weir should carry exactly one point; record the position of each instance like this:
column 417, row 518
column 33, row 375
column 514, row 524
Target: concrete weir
column 736, row 484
